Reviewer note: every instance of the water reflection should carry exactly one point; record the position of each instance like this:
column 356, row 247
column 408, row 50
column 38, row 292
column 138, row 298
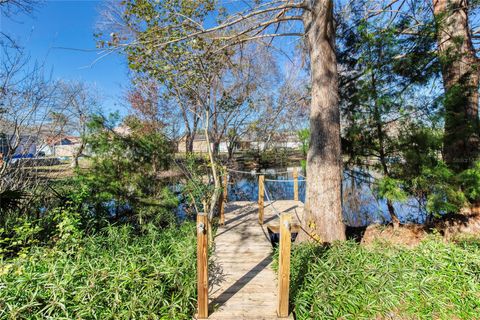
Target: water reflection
column 360, row 206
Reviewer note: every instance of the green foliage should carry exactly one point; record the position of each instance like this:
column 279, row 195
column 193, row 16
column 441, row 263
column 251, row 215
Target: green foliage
column 23, row 235
column 228, row 103
column 197, row 190
column 122, row 186
column 62, row 224
column 304, row 137
column 435, row 280
column 470, row 180
column 441, row 189
column 123, row 179
column 389, row 188
column 10, row 200
column 116, row 275
column 420, row 148
column 173, row 62
column 68, row 230
column 377, row 97
column 104, row 244
column 303, row 164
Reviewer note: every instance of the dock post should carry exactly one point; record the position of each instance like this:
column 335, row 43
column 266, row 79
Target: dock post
column 284, row 265
column 225, row 184
column 202, row 265
column 295, row 184
column 261, row 194
column 224, row 197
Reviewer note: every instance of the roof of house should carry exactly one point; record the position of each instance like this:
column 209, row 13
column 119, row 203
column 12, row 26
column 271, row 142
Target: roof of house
column 57, row 139
column 198, row 137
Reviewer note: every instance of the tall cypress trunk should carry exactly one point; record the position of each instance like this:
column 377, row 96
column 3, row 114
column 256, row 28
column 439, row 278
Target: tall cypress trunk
column 460, row 80
column 322, row 219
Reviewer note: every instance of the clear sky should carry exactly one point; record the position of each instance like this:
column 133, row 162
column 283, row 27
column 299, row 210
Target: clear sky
column 60, row 24
column 70, row 24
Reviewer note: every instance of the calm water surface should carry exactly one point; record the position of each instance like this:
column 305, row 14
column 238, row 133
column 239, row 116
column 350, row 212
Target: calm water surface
column 360, row 206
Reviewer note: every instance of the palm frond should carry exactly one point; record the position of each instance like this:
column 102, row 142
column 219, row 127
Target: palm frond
column 10, row 199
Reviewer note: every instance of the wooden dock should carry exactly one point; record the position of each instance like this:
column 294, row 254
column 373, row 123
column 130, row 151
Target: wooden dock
column 243, row 284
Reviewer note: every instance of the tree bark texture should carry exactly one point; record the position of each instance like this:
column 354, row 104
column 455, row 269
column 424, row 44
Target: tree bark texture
column 322, row 219
column 460, row 79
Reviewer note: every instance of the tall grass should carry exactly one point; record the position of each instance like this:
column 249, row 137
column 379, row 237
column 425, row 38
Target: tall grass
column 117, row 275
column 435, row 280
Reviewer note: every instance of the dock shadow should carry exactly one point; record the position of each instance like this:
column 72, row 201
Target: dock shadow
column 228, row 293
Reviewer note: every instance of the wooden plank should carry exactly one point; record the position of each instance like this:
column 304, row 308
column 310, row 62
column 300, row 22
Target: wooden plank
column 295, row 184
column 248, row 285
column 202, row 266
column 224, row 197
column 244, row 285
column 284, row 265
column 261, row 194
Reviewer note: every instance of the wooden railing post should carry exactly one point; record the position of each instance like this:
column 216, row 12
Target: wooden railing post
column 261, row 193
column 284, row 265
column 224, row 198
column 225, row 184
column 295, row 184
column 202, row 265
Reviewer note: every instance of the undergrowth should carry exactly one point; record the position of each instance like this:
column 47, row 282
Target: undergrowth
column 115, row 275
column 435, row 280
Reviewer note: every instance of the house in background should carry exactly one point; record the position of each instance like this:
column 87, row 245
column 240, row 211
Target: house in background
column 60, row 146
column 274, row 140
column 199, row 144
column 28, row 141
column 284, row 140
column 27, row 145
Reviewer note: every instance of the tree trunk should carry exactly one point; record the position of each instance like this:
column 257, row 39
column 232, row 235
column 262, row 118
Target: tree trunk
column 189, row 142
column 76, row 154
column 230, row 147
column 322, row 219
column 216, row 148
column 460, row 80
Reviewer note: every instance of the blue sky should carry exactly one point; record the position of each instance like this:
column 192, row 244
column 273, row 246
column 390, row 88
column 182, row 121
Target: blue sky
column 70, row 24
column 59, row 24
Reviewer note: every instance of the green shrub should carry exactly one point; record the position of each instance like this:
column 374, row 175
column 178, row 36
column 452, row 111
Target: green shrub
column 197, row 190
column 435, row 280
column 123, row 178
column 115, row 275
column 438, row 188
column 470, row 179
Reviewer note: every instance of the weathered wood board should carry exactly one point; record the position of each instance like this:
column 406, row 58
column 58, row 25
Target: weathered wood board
column 243, row 284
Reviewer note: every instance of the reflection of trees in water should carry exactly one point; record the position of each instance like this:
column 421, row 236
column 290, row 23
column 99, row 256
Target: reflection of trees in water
column 283, row 190
column 360, row 205
column 242, row 187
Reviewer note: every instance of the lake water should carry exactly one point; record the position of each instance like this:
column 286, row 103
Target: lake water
column 360, row 206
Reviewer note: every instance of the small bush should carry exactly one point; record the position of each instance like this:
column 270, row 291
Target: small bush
column 115, row 275
column 435, row 280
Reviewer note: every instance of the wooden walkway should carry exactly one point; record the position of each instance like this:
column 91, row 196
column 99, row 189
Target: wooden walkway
column 243, row 283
